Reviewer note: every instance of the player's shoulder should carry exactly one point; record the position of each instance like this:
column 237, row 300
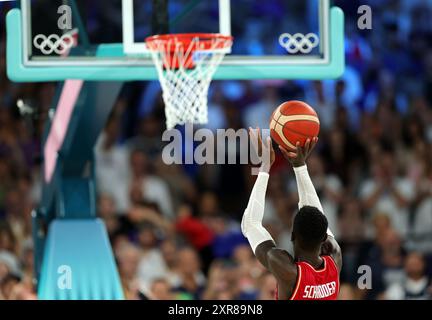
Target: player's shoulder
column 282, row 261
column 330, row 261
column 331, row 248
column 279, row 252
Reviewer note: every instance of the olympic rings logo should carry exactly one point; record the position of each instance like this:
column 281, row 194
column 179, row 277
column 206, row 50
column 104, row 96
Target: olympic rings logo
column 53, row 43
column 299, row 42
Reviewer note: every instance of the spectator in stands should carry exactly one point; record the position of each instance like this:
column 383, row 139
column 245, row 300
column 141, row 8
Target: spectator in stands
column 151, row 263
column 352, row 233
column 146, row 186
column 267, row 287
column 387, row 192
column 7, row 238
column 420, row 173
column 112, row 164
column 385, row 258
column 259, row 113
column 169, row 253
column 189, row 278
column 107, row 211
column 160, row 289
column 347, row 292
column 247, row 273
column 148, row 138
column 9, row 265
column 7, row 285
column 198, row 234
column 415, row 285
column 128, row 258
column 217, row 282
column 227, row 236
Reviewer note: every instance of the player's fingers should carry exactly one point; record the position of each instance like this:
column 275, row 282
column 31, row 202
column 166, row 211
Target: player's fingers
column 307, row 146
column 314, row 142
column 292, row 155
column 299, row 148
column 307, row 143
column 284, row 151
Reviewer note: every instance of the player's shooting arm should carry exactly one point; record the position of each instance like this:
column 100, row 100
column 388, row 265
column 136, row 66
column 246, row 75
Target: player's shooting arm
column 276, row 260
column 279, row 262
column 309, row 197
column 251, row 224
column 307, row 192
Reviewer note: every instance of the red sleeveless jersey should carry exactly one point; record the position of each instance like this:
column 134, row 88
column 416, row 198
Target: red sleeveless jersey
column 315, row 284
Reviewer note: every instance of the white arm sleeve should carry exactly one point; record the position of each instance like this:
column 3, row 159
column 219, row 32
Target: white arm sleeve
column 307, row 192
column 251, row 224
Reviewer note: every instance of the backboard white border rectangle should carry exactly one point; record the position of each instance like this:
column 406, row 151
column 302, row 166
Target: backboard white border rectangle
column 139, row 48
column 132, row 48
column 129, row 44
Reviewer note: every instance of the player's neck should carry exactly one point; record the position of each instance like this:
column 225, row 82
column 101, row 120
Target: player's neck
column 311, row 257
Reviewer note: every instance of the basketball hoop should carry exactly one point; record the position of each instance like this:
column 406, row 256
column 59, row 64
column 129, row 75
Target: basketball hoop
column 186, row 64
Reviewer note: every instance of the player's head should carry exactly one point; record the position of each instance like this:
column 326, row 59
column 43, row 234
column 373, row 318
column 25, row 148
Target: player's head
column 309, row 229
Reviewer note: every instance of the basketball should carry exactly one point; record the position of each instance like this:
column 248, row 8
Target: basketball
column 293, row 121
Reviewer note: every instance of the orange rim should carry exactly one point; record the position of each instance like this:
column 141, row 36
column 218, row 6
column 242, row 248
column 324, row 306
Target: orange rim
column 206, row 41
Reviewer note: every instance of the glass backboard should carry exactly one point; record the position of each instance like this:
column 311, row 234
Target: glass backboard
column 104, row 39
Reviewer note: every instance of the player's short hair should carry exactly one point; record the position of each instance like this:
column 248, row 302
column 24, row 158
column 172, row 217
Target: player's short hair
column 310, row 227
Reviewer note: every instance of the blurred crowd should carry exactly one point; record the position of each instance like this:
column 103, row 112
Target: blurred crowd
column 175, row 229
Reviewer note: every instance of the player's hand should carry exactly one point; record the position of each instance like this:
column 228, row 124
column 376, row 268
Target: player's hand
column 264, row 151
column 298, row 157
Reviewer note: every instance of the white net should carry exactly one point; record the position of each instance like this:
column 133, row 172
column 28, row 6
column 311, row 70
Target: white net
column 185, row 70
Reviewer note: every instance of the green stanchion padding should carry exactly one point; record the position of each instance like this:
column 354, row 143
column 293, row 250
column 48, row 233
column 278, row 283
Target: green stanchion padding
column 78, row 263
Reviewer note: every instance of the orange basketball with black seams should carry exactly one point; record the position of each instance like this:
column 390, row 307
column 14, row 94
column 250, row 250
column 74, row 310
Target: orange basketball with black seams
column 294, row 121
